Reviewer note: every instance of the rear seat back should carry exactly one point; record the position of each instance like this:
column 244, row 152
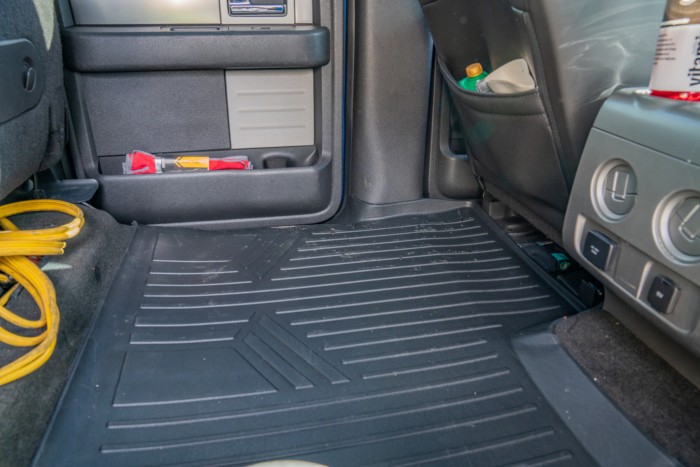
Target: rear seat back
column 527, row 146
column 32, row 114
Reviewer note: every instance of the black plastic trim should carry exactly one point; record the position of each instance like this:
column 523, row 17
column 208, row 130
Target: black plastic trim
column 571, row 299
column 170, row 198
column 391, row 95
column 356, row 211
column 21, row 78
column 109, row 49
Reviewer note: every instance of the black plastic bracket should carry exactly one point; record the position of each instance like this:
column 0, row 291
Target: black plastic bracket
column 45, row 185
column 107, row 49
column 21, row 78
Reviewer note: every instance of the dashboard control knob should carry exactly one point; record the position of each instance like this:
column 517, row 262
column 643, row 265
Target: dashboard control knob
column 684, row 227
column 620, row 190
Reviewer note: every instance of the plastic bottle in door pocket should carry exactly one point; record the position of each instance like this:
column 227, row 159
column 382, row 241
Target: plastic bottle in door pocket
column 475, row 74
column 676, row 72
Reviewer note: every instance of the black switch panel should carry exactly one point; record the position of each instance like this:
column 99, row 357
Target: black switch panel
column 599, row 250
column 663, row 294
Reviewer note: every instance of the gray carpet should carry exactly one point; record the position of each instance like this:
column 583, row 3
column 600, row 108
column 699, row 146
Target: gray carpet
column 658, row 399
column 80, row 278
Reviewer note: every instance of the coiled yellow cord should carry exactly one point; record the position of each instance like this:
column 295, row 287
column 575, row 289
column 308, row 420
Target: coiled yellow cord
column 15, row 245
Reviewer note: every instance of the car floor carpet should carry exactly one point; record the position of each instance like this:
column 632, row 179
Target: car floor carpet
column 81, row 276
column 662, row 403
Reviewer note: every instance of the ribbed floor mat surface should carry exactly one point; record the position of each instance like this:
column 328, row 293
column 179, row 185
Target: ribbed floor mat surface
column 381, row 343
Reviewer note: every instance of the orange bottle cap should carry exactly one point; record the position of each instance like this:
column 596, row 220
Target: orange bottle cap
column 475, row 69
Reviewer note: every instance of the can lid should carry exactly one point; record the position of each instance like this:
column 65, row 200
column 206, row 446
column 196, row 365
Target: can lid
column 474, row 70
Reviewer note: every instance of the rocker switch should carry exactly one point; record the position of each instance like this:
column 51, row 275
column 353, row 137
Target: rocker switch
column 663, row 294
column 599, row 250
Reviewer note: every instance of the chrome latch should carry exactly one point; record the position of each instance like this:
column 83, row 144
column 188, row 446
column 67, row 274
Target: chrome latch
column 257, row 7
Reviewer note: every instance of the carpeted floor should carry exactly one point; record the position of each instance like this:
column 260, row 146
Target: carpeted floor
column 80, row 277
column 658, row 399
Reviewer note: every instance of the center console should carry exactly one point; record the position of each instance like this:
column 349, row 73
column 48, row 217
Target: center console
column 634, row 213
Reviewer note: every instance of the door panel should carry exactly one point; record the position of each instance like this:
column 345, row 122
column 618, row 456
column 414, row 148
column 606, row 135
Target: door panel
column 269, row 91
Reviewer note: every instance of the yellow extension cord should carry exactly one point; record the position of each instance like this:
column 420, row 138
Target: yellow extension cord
column 15, row 246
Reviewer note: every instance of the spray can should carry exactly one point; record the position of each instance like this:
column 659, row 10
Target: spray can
column 676, row 72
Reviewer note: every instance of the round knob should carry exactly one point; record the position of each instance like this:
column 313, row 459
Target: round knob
column 616, row 190
column 684, row 227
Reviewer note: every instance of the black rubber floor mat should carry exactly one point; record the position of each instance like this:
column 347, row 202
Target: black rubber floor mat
column 381, row 343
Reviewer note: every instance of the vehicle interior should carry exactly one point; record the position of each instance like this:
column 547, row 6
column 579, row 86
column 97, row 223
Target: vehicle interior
column 404, row 271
